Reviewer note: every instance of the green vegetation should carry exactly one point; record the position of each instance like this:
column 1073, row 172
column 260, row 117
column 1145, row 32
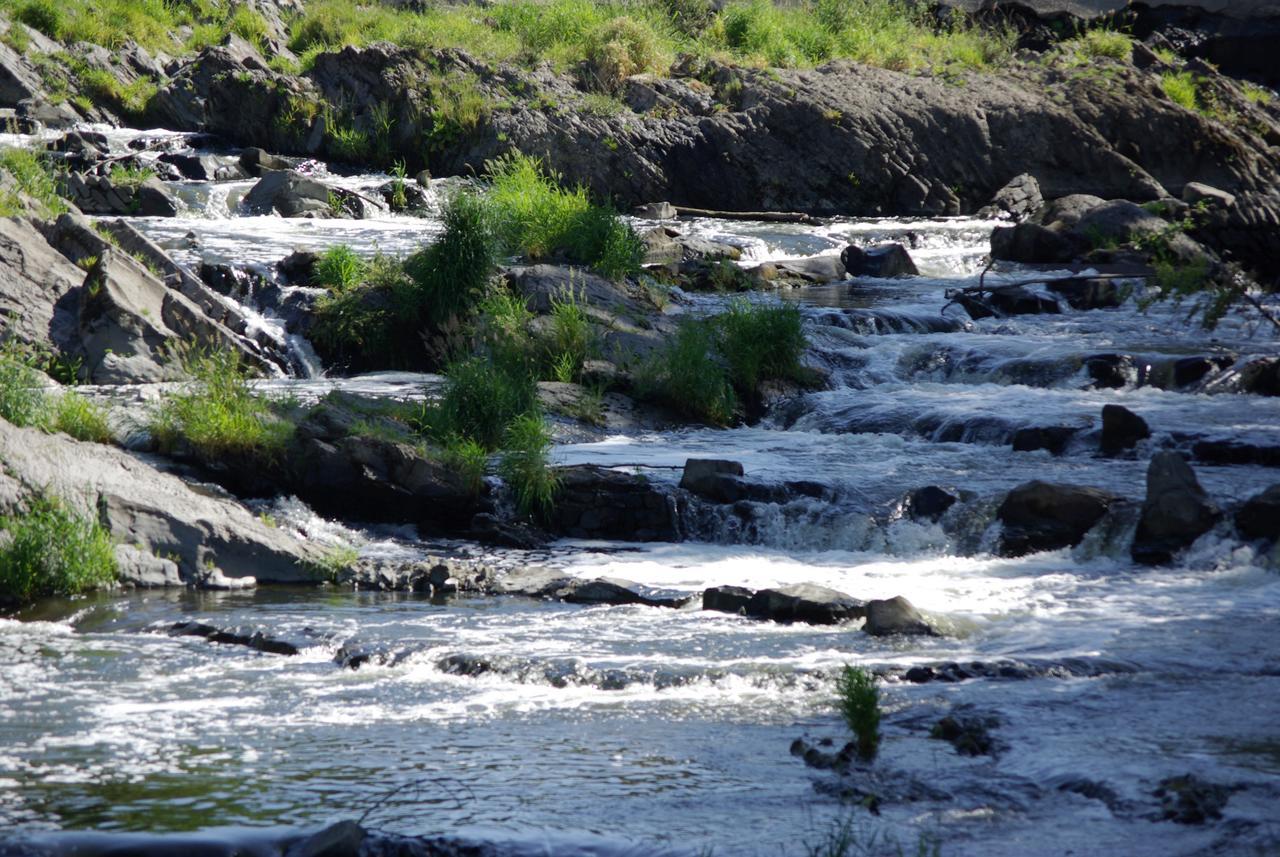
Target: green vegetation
column 339, row 268
column 469, row 460
column 1256, row 94
column 51, row 550
column 570, row 340
column 130, row 177
column 25, row 402
column 858, row 700
column 218, row 415
column 80, row 418
column 710, row 364
column 844, row 837
column 535, row 216
column 688, row 377
column 1182, row 88
column 1098, row 43
column 525, row 464
column 335, row 561
column 481, row 398
column 760, row 343
column 33, row 176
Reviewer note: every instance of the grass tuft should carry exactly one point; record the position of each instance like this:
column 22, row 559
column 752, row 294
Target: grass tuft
column 1182, row 89
column 50, row 550
column 218, row 415
column 339, row 269
column 524, row 464
column 688, row 376
column 858, row 700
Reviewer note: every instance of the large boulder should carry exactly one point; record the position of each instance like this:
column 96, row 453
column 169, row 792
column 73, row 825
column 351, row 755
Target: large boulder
column 153, row 511
column 1177, row 510
column 891, row 616
column 38, row 288
column 288, row 194
column 715, row 479
column 1040, row 516
column 101, row 195
column 805, row 602
column 1017, row 200
column 1031, row 243
column 881, row 260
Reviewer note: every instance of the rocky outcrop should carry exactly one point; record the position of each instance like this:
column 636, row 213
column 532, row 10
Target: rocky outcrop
column 716, row 136
column 1177, row 510
column 101, row 195
column 1040, row 516
column 881, row 260
column 39, row 301
column 288, row 194
column 150, row 510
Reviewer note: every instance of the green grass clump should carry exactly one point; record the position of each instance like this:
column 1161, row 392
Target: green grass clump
column 858, row 700
column 1256, row 94
column 1182, row 89
column 23, row 400
column 130, row 177
column 524, row 464
column 74, row 415
column 481, row 398
column 34, row 177
column 452, row 276
column 761, row 343
column 570, row 340
column 710, row 364
column 51, row 550
column 218, row 415
column 1106, row 43
column 335, row 561
column 537, row 217
column 339, row 269
column 689, row 377
column 469, row 460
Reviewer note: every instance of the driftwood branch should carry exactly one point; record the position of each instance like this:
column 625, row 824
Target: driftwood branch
column 771, row 216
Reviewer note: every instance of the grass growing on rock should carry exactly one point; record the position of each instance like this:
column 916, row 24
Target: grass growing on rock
column 1182, row 89
column 51, row 550
column 712, row 364
column 537, row 217
column 339, row 269
column 33, row 177
column 26, row 401
column 218, row 415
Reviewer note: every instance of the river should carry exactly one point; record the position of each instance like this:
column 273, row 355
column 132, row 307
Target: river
column 604, row 729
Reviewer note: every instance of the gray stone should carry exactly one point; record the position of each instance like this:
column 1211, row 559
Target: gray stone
column 342, row 839
column 656, row 211
column 713, row 478
column 805, row 602
column 1177, row 510
column 258, row 162
column 144, row 507
column 727, row 599
column 929, row 503
column 1121, row 429
column 1040, row 516
column 881, row 260
column 1017, row 200
column 897, row 615
column 289, row 194
column 1030, row 243
column 1194, row 192
column 145, row 570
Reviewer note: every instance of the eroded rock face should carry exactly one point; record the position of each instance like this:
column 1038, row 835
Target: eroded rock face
column 141, row 506
column 1177, row 510
column 598, row 503
column 1041, row 516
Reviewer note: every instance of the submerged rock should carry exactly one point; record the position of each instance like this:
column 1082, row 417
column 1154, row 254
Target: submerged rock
column 969, row 734
column 1039, row 516
column 1051, row 438
column 929, row 503
column 714, row 478
column 727, row 599
column 1190, row 800
column 250, row 638
column 1177, row 511
column 597, row 503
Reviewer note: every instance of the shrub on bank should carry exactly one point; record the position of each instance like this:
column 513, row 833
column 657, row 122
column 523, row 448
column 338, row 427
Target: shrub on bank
column 688, row 376
column 50, row 550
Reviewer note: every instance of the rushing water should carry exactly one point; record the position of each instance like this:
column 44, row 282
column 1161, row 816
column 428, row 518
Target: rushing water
column 602, row 727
